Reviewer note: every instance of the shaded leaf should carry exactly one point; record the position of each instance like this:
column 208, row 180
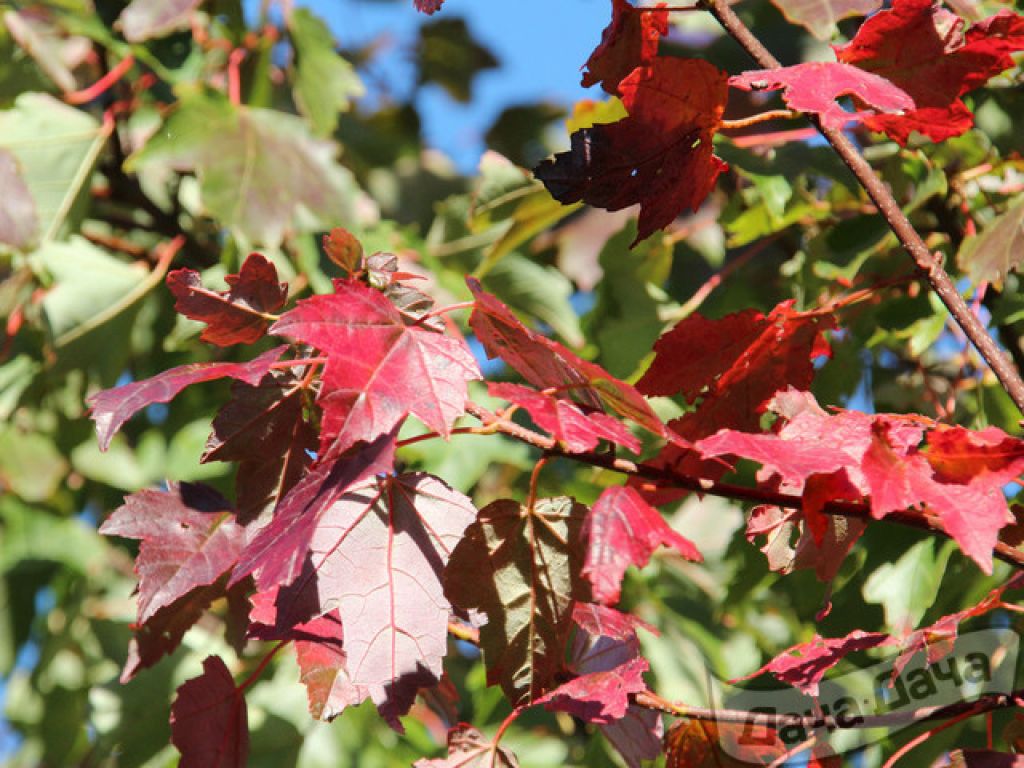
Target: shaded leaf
column 567, row 422
column 379, row 368
column 922, row 48
column 145, row 19
column 235, row 316
column 113, row 407
column 907, row 587
column 815, row 86
column 997, row 250
column 19, row 222
column 258, row 169
column 659, row 156
column 323, row 82
column 189, row 539
column 622, row 530
column 637, row 736
column 984, row 758
column 467, row 748
column 447, row 55
column 599, row 697
column 344, row 249
column 700, row 744
column 629, row 41
column 820, row 16
column 209, row 720
column 521, row 567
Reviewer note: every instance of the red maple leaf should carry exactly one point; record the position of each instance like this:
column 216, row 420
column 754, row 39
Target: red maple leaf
column 815, row 86
column 239, row 315
column 622, row 530
column 628, row 42
column 548, row 365
column 379, row 367
column 921, row 47
column 189, row 539
column 111, row 408
column 468, row 748
column 428, row 6
column 209, row 722
column 659, row 155
column 577, row 430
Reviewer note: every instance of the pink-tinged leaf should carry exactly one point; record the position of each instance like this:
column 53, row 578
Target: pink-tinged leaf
column 467, row 748
column 804, row 665
column 921, row 48
column 568, row 423
column 622, row 530
column 629, row 41
column 820, row 16
column 379, row 368
column 659, row 156
column 815, row 86
column 546, row 364
column 637, row 736
column 262, row 428
column 521, row 567
column 111, row 408
column 599, row 697
column 163, row 632
column 428, row 6
column 278, row 553
column 235, row 316
column 824, row 556
column 189, row 539
column 19, row 219
column 209, row 722
column 377, row 555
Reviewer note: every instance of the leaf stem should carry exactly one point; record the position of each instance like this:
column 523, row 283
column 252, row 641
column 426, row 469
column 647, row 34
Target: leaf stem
column 531, row 499
column 760, row 117
column 929, row 264
column 256, row 673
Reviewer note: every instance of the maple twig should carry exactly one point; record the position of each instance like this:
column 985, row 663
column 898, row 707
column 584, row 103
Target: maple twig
column 101, row 86
column 928, row 263
column 666, row 477
column 444, row 310
column 760, row 117
column 531, row 499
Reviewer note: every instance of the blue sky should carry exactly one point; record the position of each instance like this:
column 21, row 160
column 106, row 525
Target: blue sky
column 541, row 45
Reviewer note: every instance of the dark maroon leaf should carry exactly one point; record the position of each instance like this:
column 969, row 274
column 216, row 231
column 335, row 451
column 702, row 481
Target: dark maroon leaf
column 579, row 431
column 189, row 539
column 428, row 6
column 239, row 315
column 113, row 407
column 379, row 368
column 622, row 530
column 209, row 722
column 467, row 748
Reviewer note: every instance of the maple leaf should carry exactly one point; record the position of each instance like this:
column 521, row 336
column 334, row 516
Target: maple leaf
column 521, row 567
column 111, row 408
column 622, row 530
column 805, row 664
column 428, row 6
column 209, row 721
column 815, row 86
column 821, row 548
column 262, row 429
column 577, row 430
column 238, row 315
column 879, row 456
column 983, row 758
column 546, row 364
column 599, row 697
column 379, row 368
column 467, row 748
column 820, row 16
column 637, row 736
column 660, row 155
column 702, row 744
column 279, row 552
column 922, row 48
column 189, row 539
column 997, row 250
column 629, row 41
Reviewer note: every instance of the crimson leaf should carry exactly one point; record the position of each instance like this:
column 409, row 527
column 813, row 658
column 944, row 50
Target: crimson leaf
column 628, row 42
column 238, row 315
column 113, row 407
column 209, row 722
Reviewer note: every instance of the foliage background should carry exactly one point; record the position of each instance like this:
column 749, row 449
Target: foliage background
column 88, row 311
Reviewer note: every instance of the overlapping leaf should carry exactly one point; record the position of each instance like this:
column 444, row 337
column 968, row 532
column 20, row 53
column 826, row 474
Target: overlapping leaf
column 659, row 156
column 189, row 539
column 922, row 48
column 521, row 566
column 815, row 87
column 629, row 41
column 379, row 368
column 467, row 748
column 622, row 530
column 19, row 221
column 820, row 16
column 209, row 720
column 577, row 430
column 546, row 364
column 238, row 315
column 111, row 408
column 263, row 429
column 703, row 744
column 997, row 250
column 879, row 456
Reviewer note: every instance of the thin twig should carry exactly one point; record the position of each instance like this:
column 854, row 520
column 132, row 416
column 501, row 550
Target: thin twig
column 760, row 117
column 928, row 263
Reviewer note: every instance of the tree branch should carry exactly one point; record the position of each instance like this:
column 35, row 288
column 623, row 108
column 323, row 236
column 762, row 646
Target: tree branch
column 929, row 264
